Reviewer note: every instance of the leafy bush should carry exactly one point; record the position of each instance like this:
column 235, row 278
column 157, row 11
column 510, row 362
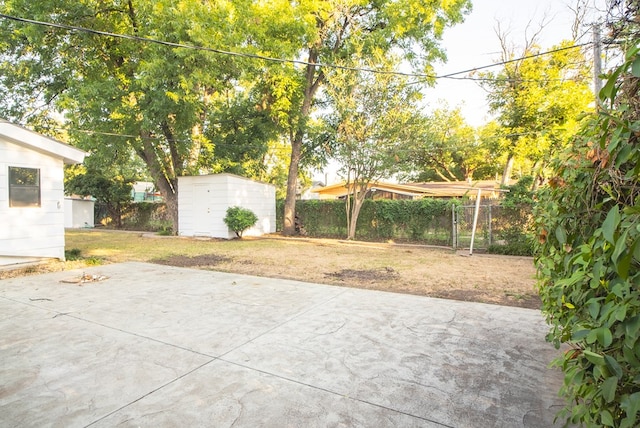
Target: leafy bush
column 113, row 192
column 514, row 226
column 240, row 219
column 425, row 221
column 72, row 254
column 515, row 248
column 588, row 258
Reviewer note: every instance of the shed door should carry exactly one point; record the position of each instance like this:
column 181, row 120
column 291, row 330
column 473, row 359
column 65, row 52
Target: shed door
column 202, row 209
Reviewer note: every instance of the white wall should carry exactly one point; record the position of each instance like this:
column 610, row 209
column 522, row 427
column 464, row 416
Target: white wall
column 78, row 213
column 203, row 202
column 32, row 231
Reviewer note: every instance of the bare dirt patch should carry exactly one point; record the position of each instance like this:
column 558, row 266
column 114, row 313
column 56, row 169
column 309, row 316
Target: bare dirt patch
column 203, row 260
column 370, row 275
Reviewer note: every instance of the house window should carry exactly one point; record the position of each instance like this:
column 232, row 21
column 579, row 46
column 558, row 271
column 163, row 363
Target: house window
column 24, row 187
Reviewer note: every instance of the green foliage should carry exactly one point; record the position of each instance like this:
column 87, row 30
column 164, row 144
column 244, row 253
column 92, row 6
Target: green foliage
column 513, row 248
column 448, row 149
column 113, row 192
column 374, row 118
column 72, row 254
column 75, row 254
column 588, row 221
column 240, row 219
column 409, row 30
column 425, row 221
column 539, row 101
column 514, row 226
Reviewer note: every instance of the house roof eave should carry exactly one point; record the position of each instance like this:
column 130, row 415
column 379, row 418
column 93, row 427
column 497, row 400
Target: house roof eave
column 30, row 139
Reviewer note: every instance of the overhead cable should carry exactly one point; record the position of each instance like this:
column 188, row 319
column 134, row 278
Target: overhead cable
column 281, row 60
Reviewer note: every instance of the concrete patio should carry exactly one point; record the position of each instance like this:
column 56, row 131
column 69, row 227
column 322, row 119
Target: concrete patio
column 157, row 346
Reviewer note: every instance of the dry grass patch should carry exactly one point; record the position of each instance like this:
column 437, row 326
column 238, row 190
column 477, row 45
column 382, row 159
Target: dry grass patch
column 416, row 270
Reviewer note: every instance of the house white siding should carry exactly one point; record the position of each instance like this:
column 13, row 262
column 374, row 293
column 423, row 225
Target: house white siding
column 32, row 231
column 203, row 202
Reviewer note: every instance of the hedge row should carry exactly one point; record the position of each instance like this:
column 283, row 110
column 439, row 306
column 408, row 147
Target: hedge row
column 424, row 221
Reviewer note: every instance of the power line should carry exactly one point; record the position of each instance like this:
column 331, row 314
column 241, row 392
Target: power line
column 281, row 60
column 207, row 49
column 450, row 75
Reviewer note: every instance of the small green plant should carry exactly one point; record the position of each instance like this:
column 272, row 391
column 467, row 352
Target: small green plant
column 93, row 261
column 72, row 254
column 240, row 219
column 165, row 230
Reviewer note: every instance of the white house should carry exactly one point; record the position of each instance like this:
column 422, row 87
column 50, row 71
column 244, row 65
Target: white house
column 32, row 192
column 203, row 201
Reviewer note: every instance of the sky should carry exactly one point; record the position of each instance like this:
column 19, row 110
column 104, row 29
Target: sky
column 474, row 43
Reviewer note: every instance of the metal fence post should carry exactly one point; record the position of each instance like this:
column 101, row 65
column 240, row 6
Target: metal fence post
column 454, row 228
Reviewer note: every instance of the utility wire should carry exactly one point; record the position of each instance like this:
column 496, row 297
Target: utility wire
column 206, row 49
column 280, row 60
column 470, row 70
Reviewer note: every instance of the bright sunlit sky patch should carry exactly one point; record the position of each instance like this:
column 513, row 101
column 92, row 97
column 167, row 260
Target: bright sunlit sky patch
column 475, row 43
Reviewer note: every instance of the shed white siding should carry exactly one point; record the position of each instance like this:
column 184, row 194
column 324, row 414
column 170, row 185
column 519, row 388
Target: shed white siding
column 32, row 231
column 78, row 213
column 203, row 201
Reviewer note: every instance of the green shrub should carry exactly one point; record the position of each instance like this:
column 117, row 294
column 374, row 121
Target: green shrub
column 520, row 248
column 72, row 254
column 426, row 221
column 240, row 219
column 588, row 259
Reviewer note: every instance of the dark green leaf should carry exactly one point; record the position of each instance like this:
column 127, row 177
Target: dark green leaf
column 594, row 358
column 594, row 309
column 604, row 336
column 579, row 335
column 561, row 235
column 635, row 67
column 610, row 224
column 632, row 326
column 629, row 356
column 624, row 154
column 623, row 266
column 606, row 418
column 609, row 388
column 613, row 365
column 630, row 404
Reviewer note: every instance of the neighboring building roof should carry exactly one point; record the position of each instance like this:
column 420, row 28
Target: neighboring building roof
column 40, row 143
column 445, row 189
column 489, row 188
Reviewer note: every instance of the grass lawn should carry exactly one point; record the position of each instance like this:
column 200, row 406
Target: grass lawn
column 405, row 269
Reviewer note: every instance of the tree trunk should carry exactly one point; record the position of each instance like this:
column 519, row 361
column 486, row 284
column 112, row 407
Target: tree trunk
column 168, row 186
column 508, row 168
column 353, row 209
column 312, row 84
column 169, row 192
column 289, row 226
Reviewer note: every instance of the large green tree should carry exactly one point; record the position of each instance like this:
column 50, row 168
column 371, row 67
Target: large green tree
column 374, row 120
column 448, row 149
column 539, row 100
column 344, row 28
column 164, row 103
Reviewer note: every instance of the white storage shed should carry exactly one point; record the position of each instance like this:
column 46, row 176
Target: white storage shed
column 79, row 213
column 32, row 192
column 203, row 201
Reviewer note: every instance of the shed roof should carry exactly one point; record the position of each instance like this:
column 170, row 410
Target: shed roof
column 32, row 140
